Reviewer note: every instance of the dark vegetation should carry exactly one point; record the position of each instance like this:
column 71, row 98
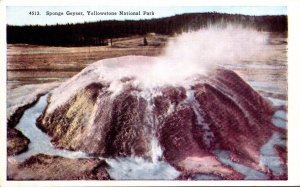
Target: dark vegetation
column 99, row 33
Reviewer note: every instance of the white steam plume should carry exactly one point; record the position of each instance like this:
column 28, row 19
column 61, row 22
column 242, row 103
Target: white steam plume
column 197, row 52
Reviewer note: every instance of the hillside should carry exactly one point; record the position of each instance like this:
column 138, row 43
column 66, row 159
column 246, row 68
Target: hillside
column 101, row 32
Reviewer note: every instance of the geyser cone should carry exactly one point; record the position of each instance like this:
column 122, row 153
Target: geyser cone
column 110, row 110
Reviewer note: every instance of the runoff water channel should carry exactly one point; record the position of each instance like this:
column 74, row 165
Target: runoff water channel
column 40, row 141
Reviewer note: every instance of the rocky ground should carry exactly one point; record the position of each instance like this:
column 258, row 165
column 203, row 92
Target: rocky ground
column 46, row 167
column 16, row 142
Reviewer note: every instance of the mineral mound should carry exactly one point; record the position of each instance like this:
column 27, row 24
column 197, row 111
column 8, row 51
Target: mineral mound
column 114, row 108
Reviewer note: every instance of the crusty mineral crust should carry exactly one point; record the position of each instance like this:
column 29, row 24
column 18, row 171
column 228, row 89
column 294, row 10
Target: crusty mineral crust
column 218, row 111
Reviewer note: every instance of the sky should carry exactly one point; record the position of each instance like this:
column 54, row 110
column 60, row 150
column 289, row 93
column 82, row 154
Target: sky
column 19, row 15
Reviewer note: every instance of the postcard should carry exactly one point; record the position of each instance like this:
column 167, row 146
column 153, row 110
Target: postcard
column 149, row 94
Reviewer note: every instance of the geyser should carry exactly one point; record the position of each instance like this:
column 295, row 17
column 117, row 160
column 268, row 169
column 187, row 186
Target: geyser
column 194, row 110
